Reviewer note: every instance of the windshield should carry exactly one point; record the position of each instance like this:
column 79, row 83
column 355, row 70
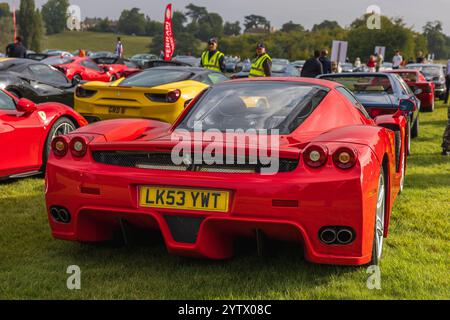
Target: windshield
column 364, row 84
column 260, row 106
column 155, row 77
column 408, row 76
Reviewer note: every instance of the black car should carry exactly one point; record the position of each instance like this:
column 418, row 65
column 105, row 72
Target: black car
column 36, row 81
column 381, row 93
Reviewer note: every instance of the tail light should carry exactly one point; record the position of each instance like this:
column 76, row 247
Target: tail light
column 173, row 96
column 344, row 158
column 82, row 92
column 315, row 156
column 60, row 146
column 375, row 112
column 170, row 97
column 78, row 147
column 427, row 89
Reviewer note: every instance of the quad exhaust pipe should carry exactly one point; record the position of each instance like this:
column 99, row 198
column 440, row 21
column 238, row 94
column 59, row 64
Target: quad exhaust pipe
column 336, row 235
column 60, row 214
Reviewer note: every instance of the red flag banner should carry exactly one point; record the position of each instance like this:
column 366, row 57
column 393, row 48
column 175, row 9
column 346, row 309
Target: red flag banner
column 14, row 21
column 169, row 40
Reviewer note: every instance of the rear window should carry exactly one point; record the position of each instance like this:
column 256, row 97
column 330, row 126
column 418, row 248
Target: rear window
column 408, row 76
column 155, row 77
column 254, row 105
column 364, row 84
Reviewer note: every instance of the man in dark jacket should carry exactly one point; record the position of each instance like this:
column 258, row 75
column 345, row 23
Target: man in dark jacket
column 326, row 63
column 16, row 50
column 313, row 67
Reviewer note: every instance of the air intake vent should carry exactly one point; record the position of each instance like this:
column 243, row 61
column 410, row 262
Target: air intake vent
column 163, row 161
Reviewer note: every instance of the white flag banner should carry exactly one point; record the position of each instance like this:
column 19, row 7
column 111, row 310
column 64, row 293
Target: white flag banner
column 380, row 50
column 339, row 51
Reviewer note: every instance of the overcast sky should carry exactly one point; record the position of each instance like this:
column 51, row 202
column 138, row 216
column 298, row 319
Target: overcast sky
column 307, row 12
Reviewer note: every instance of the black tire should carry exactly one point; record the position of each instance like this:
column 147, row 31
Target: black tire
column 113, row 78
column 408, row 138
column 400, row 159
column 376, row 249
column 415, row 129
column 51, row 134
column 76, row 79
column 398, row 148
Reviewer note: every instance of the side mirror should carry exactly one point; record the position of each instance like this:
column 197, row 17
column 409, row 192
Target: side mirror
column 418, row 91
column 407, row 105
column 26, row 106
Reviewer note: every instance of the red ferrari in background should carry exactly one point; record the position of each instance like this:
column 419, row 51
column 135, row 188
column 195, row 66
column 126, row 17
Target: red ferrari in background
column 120, row 67
column 330, row 186
column 423, row 88
column 26, row 131
column 82, row 68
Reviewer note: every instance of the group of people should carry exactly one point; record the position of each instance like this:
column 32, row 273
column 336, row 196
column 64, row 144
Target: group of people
column 214, row 59
column 261, row 66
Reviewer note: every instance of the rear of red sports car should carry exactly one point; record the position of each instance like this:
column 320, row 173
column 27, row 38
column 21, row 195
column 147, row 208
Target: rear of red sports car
column 322, row 196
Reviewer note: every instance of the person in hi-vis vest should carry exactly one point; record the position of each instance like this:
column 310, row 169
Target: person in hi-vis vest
column 212, row 58
column 262, row 64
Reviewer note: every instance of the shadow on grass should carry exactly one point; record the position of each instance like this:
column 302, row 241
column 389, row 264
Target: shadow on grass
column 434, row 123
column 281, row 268
column 146, row 265
column 427, row 159
column 428, row 181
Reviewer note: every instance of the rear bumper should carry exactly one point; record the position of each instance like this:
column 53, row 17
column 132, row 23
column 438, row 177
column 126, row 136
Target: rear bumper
column 334, row 200
column 164, row 112
column 426, row 100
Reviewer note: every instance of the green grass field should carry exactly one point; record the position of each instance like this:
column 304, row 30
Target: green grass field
column 416, row 263
column 95, row 41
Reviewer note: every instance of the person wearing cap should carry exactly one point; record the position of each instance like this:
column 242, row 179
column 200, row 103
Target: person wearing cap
column 212, row 58
column 262, row 64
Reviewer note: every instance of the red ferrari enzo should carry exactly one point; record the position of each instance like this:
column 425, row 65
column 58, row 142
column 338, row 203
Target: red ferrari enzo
column 423, row 89
column 330, row 185
column 78, row 69
column 26, row 132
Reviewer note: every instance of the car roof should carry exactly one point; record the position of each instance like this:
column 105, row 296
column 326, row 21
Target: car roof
column 182, row 68
column 425, row 65
column 403, row 71
column 312, row 81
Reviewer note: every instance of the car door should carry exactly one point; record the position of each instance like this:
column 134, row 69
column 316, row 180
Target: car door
column 21, row 138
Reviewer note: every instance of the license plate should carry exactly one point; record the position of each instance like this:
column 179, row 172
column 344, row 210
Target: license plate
column 116, row 110
column 184, row 199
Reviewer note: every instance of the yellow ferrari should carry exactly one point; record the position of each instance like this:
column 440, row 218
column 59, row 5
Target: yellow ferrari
column 159, row 93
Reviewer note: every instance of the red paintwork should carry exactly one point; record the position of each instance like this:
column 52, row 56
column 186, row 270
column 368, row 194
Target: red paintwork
column 427, row 96
column 87, row 74
column 99, row 195
column 23, row 136
column 120, row 70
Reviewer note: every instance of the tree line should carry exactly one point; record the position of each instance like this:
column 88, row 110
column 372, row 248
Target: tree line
column 195, row 25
